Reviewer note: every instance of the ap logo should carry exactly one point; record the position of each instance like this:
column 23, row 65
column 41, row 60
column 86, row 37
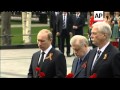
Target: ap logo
column 98, row 15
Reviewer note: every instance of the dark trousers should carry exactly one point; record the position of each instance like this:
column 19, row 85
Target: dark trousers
column 54, row 40
column 65, row 37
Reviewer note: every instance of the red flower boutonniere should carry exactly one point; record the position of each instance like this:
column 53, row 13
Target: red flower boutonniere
column 39, row 74
column 70, row 75
column 105, row 56
column 84, row 65
column 49, row 56
column 94, row 75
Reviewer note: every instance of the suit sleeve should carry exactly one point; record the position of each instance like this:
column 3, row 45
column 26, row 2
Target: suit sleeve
column 70, row 23
column 60, row 66
column 30, row 72
column 72, row 66
column 51, row 20
column 58, row 23
column 116, row 65
column 82, row 22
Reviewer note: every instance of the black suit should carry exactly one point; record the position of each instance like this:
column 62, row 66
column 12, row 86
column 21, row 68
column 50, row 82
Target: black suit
column 104, row 68
column 55, row 68
column 82, row 69
column 79, row 22
column 116, row 63
column 53, row 25
column 64, row 33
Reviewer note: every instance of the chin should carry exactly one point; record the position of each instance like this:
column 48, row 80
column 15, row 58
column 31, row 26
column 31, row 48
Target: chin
column 93, row 42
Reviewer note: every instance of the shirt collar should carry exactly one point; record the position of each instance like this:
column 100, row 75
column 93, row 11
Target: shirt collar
column 85, row 55
column 47, row 50
column 104, row 47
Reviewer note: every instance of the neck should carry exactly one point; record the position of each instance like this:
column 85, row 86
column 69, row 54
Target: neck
column 102, row 45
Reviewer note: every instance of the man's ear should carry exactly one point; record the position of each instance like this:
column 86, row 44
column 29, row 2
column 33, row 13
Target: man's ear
column 51, row 39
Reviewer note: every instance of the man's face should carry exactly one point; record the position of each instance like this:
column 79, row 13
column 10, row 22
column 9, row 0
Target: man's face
column 43, row 41
column 78, row 51
column 96, row 36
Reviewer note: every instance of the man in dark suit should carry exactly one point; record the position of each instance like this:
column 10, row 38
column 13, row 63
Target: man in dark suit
column 78, row 23
column 53, row 27
column 54, row 62
column 81, row 50
column 101, row 59
column 64, row 25
column 117, row 64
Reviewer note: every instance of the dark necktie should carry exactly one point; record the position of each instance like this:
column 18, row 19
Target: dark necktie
column 41, row 60
column 98, row 55
column 78, row 65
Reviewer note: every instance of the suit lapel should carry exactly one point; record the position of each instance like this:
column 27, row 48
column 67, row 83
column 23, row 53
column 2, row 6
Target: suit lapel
column 83, row 64
column 80, row 69
column 90, row 60
column 37, row 58
column 101, row 59
column 51, row 51
column 47, row 60
column 74, row 65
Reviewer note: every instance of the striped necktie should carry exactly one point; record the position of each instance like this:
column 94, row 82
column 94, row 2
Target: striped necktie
column 98, row 55
column 78, row 65
column 64, row 21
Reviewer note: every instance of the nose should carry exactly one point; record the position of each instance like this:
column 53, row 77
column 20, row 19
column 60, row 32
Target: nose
column 91, row 36
column 75, row 52
column 39, row 43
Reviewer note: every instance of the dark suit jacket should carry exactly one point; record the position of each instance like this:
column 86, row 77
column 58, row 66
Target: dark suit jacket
column 55, row 68
column 82, row 71
column 53, row 20
column 116, row 63
column 104, row 67
column 60, row 23
column 80, row 22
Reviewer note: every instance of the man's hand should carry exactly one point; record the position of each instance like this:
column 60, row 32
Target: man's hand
column 71, row 34
column 75, row 27
column 57, row 34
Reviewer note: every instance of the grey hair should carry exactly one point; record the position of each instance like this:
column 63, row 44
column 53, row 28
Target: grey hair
column 79, row 40
column 103, row 27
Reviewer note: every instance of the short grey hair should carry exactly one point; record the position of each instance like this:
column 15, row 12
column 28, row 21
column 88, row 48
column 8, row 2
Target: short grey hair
column 79, row 40
column 103, row 27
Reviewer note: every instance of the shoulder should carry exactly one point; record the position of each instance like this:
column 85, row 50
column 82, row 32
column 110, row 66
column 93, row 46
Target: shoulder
column 113, row 48
column 36, row 53
column 57, row 52
column 75, row 59
column 94, row 49
column 88, row 54
column 117, row 55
